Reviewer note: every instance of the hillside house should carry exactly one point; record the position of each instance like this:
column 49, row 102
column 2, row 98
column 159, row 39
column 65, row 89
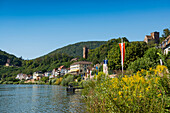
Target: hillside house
column 37, row 75
column 47, row 74
column 29, row 77
column 63, row 70
column 55, row 72
column 165, row 45
column 22, row 76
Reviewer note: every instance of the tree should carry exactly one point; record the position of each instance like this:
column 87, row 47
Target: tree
column 166, row 32
column 150, row 59
column 134, row 50
column 44, row 79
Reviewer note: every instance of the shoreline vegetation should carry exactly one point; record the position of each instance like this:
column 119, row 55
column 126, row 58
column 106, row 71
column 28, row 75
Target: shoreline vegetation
column 66, row 80
column 144, row 92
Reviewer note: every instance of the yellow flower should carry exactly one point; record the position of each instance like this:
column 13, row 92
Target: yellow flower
column 159, row 95
column 115, row 99
column 119, row 93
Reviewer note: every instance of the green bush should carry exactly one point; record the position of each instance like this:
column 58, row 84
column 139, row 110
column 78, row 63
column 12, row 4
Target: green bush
column 10, row 82
column 141, row 63
column 67, row 80
column 53, row 81
column 133, row 94
column 44, row 79
column 15, row 82
column 78, row 79
column 1, row 82
column 58, row 81
column 63, row 82
column 5, row 82
column 150, row 59
column 41, row 83
column 21, row 82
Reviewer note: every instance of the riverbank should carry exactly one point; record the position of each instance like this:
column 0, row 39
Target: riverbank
column 143, row 92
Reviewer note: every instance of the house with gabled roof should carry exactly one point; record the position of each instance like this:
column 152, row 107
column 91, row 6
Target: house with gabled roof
column 79, row 67
column 165, row 45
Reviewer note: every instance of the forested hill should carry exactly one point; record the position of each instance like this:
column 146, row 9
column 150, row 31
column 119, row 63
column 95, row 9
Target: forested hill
column 76, row 50
column 13, row 59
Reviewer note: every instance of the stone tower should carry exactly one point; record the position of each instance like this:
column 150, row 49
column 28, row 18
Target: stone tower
column 154, row 37
column 8, row 61
column 85, row 52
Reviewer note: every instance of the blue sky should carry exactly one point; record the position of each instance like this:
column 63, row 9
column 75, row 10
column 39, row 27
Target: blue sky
column 32, row 28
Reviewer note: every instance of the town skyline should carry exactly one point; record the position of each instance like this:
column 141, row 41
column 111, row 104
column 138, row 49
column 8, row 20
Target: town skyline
column 32, row 28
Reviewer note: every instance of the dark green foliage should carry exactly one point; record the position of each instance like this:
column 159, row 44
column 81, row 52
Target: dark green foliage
column 152, row 54
column 133, row 50
column 150, row 59
column 44, row 79
column 99, row 54
column 13, row 59
column 141, row 63
column 166, row 33
column 67, row 79
column 76, row 50
column 43, row 64
column 168, row 63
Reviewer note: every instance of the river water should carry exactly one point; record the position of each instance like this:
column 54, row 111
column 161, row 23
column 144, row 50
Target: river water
column 39, row 99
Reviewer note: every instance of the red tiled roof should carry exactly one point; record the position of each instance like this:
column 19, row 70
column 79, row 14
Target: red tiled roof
column 81, row 62
column 149, row 37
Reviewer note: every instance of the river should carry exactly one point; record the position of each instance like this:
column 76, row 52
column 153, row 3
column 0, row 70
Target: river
column 39, row 99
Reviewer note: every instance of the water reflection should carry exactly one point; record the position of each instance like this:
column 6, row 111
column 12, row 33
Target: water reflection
column 39, row 98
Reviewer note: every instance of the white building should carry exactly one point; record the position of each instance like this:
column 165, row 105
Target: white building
column 47, row 74
column 55, row 72
column 165, row 45
column 62, row 70
column 79, row 67
column 37, row 75
column 22, row 76
column 29, row 77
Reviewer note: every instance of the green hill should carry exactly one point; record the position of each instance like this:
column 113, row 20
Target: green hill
column 47, row 62
column 13, row 59
column 76, row 50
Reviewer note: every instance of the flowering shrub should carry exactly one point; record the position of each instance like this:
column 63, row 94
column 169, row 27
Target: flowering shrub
column 58, row 81
column 142, row 92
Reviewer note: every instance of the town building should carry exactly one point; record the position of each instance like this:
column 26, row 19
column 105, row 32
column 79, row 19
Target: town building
column 105, row 67
column 55, row 72
column 37, row 75
column 79, row 67
column 154, row 37
column 165, row 45
column 47, row 74
column 21, row 76
column 63, row 70
column 89, row 73
column 52, row 76
column 29, row 77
